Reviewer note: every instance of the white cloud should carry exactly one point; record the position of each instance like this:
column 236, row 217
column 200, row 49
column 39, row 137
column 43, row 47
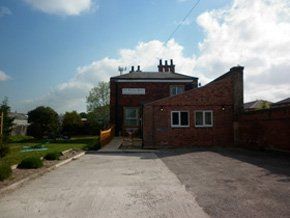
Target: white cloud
column 254, row 34
column 4, row 11
column 3, row 76
column 62, row 7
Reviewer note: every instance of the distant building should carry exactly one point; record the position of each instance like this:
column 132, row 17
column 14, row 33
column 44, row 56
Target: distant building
column 283, row 103
column 20, row 123
column 257, row 105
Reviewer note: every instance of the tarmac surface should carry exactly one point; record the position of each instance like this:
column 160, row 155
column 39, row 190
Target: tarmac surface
column 234, row 182
column 104, row 185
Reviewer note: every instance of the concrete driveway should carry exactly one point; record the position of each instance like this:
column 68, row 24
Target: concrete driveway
column 104, row 185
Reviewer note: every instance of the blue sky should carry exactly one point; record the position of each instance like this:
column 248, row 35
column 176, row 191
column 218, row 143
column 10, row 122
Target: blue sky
column 47, row 47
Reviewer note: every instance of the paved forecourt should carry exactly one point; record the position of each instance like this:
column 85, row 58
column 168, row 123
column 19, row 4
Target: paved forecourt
column 104, row 185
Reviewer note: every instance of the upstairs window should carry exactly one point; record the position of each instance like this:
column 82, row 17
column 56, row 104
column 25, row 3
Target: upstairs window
column 179, row 119
column 175, row 90
column 204, row 118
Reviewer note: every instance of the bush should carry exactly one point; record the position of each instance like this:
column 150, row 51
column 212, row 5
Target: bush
column 4, row 149
column 5, row 171
column 30, row 163
column 52, row 156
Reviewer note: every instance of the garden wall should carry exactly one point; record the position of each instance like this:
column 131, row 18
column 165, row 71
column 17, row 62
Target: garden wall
column 269, row 129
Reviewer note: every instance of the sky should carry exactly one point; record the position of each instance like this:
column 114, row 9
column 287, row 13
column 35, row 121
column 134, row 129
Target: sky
column 52, row 52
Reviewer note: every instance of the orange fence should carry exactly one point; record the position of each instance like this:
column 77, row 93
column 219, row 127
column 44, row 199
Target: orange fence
column 107, row 135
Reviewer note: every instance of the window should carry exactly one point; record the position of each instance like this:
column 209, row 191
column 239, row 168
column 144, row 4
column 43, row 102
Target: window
column 131, row 116
column 175, row 90
column 203, row 119
column 179, row 119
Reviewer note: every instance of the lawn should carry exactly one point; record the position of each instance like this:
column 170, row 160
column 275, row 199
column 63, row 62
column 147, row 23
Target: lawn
column 15, row 156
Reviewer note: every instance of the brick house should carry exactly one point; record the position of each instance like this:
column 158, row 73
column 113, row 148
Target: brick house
column 130, row 92
column 203, row 116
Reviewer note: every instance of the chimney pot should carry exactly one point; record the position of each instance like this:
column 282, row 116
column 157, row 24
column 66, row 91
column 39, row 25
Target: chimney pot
column 172, row 66
column 138, row 68
column 132, row 69
column 166, row 67
column 160, row 67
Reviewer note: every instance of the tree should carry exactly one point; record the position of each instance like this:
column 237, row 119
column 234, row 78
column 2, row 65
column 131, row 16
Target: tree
column 100, row 117
column 83, row 115
column 7, row 127
column 98, row 106
column 43, row 121
column 99, row 96
column 71, row 123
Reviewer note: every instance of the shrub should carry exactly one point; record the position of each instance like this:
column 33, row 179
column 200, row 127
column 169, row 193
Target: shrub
column 4, row 149
column 5, row 171
column 30, row 163
column 52, row 156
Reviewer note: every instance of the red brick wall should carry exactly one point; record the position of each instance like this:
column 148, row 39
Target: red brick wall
column 215, row 96
column 154, row 91
column 268, row 128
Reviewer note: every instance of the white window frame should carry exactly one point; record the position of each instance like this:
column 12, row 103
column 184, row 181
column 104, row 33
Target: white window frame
column 179, row 119
column 203, row 118
column 175, row 87
column 131, row 118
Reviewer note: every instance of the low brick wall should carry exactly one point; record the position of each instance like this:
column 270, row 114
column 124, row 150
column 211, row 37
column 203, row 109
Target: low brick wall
column 269, row 129
column 107, row 135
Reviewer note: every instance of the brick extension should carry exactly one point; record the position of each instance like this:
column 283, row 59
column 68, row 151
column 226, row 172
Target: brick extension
column 224, row 96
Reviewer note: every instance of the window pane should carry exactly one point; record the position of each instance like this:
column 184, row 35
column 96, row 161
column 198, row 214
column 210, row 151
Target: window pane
column 179, row 89
column 184, row 118
column 175, row 118
column 133, row 122
column 131, row 117
column 131, row 113
column 173, row 90
column 208, row 116
column 198, row 119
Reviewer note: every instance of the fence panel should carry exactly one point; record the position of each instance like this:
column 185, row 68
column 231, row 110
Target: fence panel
column 107, row 135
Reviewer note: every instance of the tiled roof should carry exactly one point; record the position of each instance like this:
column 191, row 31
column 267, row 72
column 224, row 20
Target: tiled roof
column 284, row 101
column 18, row 116
column 256, row 104
column 138, row 75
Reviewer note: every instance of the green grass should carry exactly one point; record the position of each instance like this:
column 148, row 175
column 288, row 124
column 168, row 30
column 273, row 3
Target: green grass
column 15, row 155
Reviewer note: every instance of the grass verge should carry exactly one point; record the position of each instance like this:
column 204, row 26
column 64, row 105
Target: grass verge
column 15, row 155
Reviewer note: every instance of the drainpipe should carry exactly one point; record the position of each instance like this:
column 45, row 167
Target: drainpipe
column 117, row 111
column 142, row 125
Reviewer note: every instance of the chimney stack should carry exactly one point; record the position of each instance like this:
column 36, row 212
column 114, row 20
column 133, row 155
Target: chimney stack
column 166, row 67
column 132, row 69
column 172, row 66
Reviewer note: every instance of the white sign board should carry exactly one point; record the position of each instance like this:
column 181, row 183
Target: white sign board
column 133, row 91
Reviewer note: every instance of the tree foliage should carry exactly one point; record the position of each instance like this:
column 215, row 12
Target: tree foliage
column 7, row 121
column 43, row 121
column 98, row 106
column 71, row 123
column 99, row 96
column 7, row 127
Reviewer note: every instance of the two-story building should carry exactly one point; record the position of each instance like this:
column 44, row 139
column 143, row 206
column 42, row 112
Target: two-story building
column 130, row 92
